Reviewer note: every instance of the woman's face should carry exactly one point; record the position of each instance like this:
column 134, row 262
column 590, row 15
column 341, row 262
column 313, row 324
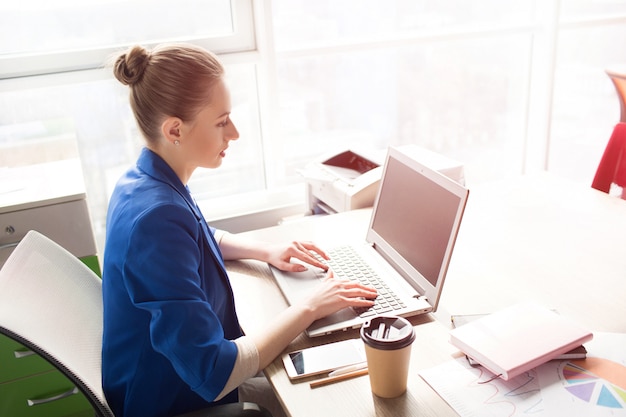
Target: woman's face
column 207, row 136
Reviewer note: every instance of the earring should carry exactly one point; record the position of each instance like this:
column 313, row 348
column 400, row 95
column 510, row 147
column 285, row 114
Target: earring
column 176, row 142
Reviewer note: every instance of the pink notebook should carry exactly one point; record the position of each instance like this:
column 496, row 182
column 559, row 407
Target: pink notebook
column 518, row 338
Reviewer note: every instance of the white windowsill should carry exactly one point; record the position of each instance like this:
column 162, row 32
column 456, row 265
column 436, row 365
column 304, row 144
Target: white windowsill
column 249, row 211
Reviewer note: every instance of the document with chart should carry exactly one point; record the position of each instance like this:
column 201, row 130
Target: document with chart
column 591, row 387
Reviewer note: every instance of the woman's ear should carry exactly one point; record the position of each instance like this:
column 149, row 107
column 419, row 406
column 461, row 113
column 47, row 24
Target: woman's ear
column 171, row 130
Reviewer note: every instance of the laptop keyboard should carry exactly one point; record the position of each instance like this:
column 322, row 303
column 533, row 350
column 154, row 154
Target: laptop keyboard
column 348, row 264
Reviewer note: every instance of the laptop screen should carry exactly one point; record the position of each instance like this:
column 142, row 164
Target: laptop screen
column 416, row 219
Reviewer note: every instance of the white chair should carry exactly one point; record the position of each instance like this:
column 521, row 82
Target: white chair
column 52, row 303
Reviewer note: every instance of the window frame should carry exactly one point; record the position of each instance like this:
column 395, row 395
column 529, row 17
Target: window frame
column 32, row 64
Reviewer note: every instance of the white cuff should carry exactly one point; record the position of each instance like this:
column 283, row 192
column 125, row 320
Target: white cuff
column 246, row 365
column 218, row 235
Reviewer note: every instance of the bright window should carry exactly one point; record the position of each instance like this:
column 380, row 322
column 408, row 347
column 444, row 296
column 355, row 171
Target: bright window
column 504, row 86
column 42, row 37
column 302, row 23
column 65, row 25
column 451, row 76
column 74, row 107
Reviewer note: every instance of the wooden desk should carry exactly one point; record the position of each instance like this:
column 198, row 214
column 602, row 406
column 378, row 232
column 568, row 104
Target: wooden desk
column 538, row 237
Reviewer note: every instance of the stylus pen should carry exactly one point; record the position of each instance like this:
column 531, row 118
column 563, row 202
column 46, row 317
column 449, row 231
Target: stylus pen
column 348, row 369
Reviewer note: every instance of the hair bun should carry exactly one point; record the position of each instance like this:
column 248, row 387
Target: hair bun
column 131, row 65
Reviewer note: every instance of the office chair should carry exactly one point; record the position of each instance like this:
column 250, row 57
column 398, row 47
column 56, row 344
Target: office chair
column 51, row 303
column 612, row 167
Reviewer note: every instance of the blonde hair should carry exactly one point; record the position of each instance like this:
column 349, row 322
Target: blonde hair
column 171, row 80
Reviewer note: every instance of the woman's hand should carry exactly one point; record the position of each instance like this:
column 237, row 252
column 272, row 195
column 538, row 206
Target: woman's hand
column 280, row 256
column 334, row 294
column 331, row 295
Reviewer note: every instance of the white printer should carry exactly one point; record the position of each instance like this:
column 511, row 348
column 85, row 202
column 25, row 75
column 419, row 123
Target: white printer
column 346, row 181
column 349, row 180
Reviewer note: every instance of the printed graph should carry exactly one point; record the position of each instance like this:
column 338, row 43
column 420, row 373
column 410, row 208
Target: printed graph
column 591, row 387
column 473, row 392
column 597, row 381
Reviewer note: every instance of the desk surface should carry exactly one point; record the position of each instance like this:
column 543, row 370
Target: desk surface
column 537, row 237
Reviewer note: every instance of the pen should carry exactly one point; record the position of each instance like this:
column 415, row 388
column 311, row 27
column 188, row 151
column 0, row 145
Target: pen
column 348, row 369
column 337, row 378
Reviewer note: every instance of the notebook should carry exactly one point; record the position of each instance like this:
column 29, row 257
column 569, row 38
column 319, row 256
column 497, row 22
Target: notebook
column 518, row 338
column 408, row 243
column 458, row 320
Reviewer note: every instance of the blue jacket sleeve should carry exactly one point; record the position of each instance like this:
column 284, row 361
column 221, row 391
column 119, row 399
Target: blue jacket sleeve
column 162, row 276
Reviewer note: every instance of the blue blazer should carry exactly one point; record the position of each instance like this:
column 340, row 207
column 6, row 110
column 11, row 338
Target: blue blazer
column 169, row 312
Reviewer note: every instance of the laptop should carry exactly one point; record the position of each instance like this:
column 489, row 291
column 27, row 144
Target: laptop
column 408, row 244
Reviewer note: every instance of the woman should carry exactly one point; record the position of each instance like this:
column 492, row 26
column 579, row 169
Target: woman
column 172, row 341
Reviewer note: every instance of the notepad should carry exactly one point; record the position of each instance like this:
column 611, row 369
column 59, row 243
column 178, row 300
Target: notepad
column 518, row 338
column 459, row 320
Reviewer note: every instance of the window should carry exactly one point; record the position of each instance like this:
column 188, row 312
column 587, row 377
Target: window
column 505, row 87
column 57, row 101
column 42, row 37
column 450, row 76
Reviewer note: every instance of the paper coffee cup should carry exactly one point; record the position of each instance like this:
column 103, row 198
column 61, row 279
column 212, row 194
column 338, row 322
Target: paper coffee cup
column 388, row 342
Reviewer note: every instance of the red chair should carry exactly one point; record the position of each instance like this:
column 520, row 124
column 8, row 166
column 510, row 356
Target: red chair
column 612, row 167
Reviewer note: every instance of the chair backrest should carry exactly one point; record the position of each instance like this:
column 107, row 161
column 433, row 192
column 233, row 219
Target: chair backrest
column 612, row 166
column 52, row 303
